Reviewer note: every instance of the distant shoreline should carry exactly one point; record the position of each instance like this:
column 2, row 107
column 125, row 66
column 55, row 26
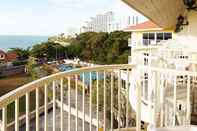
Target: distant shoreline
column 21, row 41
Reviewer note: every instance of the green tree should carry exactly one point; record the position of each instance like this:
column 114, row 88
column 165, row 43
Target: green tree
column 22, row 53
column 49, row 50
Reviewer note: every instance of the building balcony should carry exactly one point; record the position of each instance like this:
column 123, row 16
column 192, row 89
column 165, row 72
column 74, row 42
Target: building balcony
column 92, row 99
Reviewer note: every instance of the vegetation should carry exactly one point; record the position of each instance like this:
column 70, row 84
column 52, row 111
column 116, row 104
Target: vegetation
column 23, row 54
column 49, row 50
column 99, row 48
column 18, row 63
column 31, row 70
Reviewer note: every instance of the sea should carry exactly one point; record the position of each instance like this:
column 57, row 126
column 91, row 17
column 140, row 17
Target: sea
column 13, row 41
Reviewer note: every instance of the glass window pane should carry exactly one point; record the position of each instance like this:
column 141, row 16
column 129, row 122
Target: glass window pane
column 159, row 36
column 167, row 36
column 151, row 36
column 145, row 36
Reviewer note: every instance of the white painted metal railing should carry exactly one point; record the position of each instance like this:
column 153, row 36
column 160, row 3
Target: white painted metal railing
column 166, row 90
column 94, row 98
column 108, row 107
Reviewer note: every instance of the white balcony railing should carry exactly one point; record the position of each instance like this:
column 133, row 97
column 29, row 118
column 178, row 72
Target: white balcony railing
column 72, row 93
column 92, row 98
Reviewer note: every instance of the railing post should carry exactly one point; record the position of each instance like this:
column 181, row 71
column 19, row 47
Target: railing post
column 4, row 118
column 69, row 105
column 119, row 103
column 150, row 94
column 27, row 112
column 127, row 100
column 157, row 94
column 76, row 103
column 174, row 101
column 90, row 86
column 138, row 113
column 83, row 125
column 112, row 100
column 162, row 101
column 46, row 108
column 37, row 109
column 97, row 99
column 61, row 108
column 188, row 101
column 54, row 106
column 104, row 88
column 17, row 114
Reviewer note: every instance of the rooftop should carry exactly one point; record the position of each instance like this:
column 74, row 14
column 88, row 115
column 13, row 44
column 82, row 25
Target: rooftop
column 11, row 56
column 145, row 26
column 2, row 52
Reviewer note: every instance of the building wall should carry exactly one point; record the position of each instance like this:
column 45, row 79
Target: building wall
column 137, row 36
column 100, row 23
column 190, row 31
column 138, row 50
column 12, row 70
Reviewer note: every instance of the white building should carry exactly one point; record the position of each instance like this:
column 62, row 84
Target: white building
column 108, row 22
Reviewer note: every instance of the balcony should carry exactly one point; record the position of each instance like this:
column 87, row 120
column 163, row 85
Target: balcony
column 92, row 99
column 69, row 95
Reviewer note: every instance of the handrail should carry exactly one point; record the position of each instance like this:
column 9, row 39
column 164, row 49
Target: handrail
column 167, row 70
column 115, row 85
column 21, row 91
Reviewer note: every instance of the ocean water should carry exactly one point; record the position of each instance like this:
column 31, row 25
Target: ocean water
column 11, row 41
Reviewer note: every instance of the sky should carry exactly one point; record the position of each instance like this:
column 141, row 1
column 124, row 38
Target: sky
column 52, row 17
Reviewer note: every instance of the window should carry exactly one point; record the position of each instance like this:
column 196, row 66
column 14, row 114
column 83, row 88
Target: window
column 145, row 36
column 145, row 39
column 151, row 36
column 167, row 36
column 159, row 37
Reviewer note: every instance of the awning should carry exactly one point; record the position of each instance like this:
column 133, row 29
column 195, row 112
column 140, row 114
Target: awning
column 162, row 12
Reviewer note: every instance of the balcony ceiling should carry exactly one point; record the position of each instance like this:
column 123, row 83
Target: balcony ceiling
column 162, row 12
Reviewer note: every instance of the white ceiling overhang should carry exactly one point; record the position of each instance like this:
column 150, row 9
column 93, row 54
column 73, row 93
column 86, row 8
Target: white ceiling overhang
column 164, row 13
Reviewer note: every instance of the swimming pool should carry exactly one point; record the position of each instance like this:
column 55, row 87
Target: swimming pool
column 63, row 67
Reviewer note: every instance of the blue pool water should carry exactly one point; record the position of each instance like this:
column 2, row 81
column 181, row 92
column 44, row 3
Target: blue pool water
column 64, row 67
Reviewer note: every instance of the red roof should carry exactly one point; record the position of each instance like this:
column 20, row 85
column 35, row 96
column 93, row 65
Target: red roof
column 11, row 56
column 148, row 25
column 2, row 52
